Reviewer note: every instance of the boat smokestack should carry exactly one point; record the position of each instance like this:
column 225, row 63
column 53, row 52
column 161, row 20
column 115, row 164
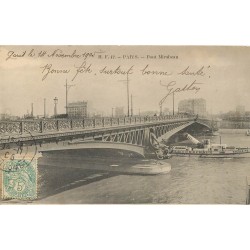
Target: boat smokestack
column 192, row 139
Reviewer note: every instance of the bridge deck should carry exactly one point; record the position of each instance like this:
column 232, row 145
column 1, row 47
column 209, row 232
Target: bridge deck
column 12, row 137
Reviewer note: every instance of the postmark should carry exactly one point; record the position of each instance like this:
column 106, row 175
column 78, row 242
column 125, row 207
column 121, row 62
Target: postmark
column 15, row 157
column 19, row 179
column 12, row 148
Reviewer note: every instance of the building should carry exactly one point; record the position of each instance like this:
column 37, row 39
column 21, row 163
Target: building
column 4, row 116
column 119, row 111
column 8, row 117
column 77, row 109
column 149, row 113
column 166, row 111
column 240, row 110
column 193, row 106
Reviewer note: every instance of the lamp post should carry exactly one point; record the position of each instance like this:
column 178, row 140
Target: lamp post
column 131, row 105
column 67, row 87
column 32, row 110
column 173, row 103
column 55, row 107
column 44, row 107
column 127, row 82
column 160, row 109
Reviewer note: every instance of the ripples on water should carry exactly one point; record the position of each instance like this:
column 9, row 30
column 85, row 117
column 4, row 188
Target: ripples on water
column 191, row 181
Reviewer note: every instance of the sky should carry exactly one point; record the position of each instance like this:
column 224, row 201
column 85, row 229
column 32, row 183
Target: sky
column 223, row 74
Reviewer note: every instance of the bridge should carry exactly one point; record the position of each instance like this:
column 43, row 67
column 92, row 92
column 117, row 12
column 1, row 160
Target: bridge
column 134, row 130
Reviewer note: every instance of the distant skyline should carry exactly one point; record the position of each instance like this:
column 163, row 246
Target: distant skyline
column 224, row 85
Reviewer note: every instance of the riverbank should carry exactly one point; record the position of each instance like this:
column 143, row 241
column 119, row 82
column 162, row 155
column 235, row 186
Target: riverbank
column 232, row 131
column 234, row 124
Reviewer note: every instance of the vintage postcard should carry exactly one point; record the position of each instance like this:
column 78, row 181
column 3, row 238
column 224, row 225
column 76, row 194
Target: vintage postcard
column 124, row 125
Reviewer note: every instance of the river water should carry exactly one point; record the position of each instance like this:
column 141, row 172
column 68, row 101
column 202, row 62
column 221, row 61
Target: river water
column 190, row 181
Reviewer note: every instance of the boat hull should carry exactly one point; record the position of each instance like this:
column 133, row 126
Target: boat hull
column 231, row 155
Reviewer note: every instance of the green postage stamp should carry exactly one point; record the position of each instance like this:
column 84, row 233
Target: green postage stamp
column 19, row 179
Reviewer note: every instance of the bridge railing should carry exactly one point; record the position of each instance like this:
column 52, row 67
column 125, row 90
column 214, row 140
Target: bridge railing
column 53, row 125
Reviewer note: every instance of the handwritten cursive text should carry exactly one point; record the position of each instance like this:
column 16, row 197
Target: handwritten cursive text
column 171, row 89
column 47, row 69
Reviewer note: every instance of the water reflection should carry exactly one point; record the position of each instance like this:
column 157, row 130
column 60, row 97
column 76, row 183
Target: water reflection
column 191, row 181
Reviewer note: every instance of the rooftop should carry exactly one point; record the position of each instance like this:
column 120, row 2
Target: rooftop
column 78, row 103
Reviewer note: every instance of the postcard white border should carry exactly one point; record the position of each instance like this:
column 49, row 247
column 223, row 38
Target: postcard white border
column 127, row 22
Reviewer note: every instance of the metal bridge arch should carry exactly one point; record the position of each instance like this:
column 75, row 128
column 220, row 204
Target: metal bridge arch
column 141, row 135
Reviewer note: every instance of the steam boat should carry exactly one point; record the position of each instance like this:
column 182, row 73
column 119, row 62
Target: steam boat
column 205, row 149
